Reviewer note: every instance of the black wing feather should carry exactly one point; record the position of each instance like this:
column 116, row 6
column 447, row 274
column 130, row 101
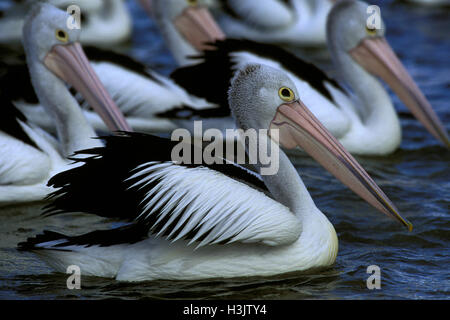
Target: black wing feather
column 100, row 185
column 15, row 82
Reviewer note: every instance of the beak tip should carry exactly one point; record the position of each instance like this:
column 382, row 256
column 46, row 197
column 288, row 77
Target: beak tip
column 409, row 225
column 403, row 221
column 406, row 223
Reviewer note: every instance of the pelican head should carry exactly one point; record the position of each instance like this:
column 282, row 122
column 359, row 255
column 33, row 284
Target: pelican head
column 348, row 31
column 49, row 41
column 261, row 97
column 45, row 28
column 191, row 19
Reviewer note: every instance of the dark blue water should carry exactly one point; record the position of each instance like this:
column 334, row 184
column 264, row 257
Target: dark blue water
column 416, row 177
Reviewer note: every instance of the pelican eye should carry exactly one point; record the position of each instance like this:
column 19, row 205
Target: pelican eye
column 62, row 36
column 192, row 2
column 371, row 32
column 286, row 94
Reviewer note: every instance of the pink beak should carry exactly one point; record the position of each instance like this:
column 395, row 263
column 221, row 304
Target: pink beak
column 299, row 127
column 377, row 57
column 197, row 25
column 70, row 64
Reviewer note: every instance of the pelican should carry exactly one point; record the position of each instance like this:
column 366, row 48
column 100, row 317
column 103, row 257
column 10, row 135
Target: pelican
column 103, row 22
column 365, row 122
column 149, row 100
column 190, row 222
column 291, row 22
column 30, row 156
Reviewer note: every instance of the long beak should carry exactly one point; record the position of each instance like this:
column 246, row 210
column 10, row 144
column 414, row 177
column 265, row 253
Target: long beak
column 299, row 127
column 197, row 25
column 70, row 64
column 377, row 57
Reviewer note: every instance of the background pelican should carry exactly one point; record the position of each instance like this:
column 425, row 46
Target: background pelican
column 150, row 101
column 292, row 22
column 207, row 221
column 30, row 156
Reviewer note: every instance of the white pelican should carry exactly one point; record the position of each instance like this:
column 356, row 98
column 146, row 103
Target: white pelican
column 29, row 156
column 291, row 22
column 150, row 101
column 192, row 222
column 366, row 123
column 103, row 22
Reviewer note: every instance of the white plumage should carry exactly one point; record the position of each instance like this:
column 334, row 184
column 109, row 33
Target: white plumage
column 25, row 170
column 296, row 23
column 234, row 217
column 105, row 22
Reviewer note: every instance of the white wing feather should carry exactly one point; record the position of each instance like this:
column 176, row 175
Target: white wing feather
column 210, row 205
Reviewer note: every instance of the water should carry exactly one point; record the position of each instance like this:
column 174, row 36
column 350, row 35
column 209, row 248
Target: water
column 417, row 178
